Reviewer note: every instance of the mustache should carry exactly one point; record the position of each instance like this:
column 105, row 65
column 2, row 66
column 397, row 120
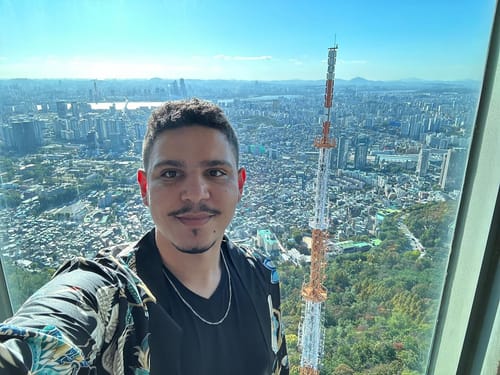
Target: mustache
column 193, row 208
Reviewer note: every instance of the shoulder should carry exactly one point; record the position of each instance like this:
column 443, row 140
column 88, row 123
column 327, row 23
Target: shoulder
column 113, row 267
column 247, row 257
column 123, row 257
column 122, row 254
column 107, row 262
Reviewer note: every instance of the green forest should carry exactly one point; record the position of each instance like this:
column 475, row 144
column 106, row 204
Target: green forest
column 382, row 304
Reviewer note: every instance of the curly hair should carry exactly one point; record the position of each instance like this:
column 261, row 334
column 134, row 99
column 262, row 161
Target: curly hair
column 183, row 113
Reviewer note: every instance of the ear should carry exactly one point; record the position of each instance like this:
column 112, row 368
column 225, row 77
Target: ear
column 143, row 184
column 242, row 177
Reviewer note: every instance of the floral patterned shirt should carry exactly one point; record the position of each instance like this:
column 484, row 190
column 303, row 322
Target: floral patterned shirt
column 101, row 316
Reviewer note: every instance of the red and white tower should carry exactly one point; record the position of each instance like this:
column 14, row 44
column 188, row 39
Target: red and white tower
column 311, row 330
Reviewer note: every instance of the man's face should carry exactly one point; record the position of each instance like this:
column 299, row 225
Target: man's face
column 191, row 188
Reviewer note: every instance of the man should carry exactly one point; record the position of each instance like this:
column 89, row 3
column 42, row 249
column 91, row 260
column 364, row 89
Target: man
column 184, row 300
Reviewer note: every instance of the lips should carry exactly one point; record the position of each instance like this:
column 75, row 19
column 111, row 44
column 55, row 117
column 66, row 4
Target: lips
column 194, row 220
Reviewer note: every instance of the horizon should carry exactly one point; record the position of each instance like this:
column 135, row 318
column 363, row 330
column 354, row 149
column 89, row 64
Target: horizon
column 318, row 80
column 277, row 41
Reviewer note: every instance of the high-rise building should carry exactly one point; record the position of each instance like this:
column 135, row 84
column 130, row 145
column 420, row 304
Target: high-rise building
column 92, row 139
column 7, row 136
column 140, row 130
column 75, row 109
column 27, row 135
column 343, row 152
column 182, row 88
column 61, row 108
column 415, row 128
column 82, row 128
column 405, row 129
column 267, row 240
column 423, row 162
column 452, row 169
column 361, row 154
column 100, row 128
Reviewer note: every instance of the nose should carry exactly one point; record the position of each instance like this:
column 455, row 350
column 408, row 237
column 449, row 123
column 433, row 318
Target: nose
column 195, row 189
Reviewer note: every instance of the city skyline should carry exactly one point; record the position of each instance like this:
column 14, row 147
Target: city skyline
column 250, row 41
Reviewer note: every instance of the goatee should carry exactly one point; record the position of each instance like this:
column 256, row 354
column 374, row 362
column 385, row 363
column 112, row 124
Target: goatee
column 194, row 250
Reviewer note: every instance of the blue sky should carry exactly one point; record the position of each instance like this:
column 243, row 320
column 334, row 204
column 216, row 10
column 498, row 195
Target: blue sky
column 249, row 40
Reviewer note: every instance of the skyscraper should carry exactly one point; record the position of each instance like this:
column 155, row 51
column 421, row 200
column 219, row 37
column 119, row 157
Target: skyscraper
column 343, row 152
column 423, row 162
column 361, row 153
column 452, row 169
column 62, row 108
column 27, row 135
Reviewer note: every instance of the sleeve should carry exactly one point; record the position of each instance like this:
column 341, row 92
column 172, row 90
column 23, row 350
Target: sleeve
column 282, row 355
column 64, row 326
column 280, row 366
column 11, row 360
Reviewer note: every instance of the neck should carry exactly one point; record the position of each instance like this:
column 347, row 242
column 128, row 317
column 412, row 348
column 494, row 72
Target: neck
column 200, row 273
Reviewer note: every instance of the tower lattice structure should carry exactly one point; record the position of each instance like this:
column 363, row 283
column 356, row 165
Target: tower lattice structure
column 314, row 294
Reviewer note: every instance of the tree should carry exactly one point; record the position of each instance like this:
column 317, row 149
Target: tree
column 381, row 304
column 10, row 198
column 343, row 369
column 26, row 282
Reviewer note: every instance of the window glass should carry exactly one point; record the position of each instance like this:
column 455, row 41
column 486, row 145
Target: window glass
column 79, row 79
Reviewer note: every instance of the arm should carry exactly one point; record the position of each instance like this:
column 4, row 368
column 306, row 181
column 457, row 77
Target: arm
column 63, row 326
column 10, row 362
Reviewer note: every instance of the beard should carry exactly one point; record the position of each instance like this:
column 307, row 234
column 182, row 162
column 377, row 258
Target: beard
column 190, row 208
column 194, row 250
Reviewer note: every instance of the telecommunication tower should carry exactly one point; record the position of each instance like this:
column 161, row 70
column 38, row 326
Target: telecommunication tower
column 311, row 330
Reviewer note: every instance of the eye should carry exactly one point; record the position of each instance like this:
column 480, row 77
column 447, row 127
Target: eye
column 216, row 173
column 170, row 174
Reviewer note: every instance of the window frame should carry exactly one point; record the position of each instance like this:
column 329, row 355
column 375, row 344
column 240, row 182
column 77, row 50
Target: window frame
column 5, row 304
column 466, row 339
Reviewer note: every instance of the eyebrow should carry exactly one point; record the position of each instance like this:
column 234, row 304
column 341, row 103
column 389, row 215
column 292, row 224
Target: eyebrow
column 216, row 163
column 181, row 164
column 168, row 163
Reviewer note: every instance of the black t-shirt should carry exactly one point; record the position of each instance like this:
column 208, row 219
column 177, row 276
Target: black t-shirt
column 235, row 346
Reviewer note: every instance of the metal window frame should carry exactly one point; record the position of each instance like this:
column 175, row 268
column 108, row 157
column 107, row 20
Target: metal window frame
column 466, row 339
column 5, row 305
